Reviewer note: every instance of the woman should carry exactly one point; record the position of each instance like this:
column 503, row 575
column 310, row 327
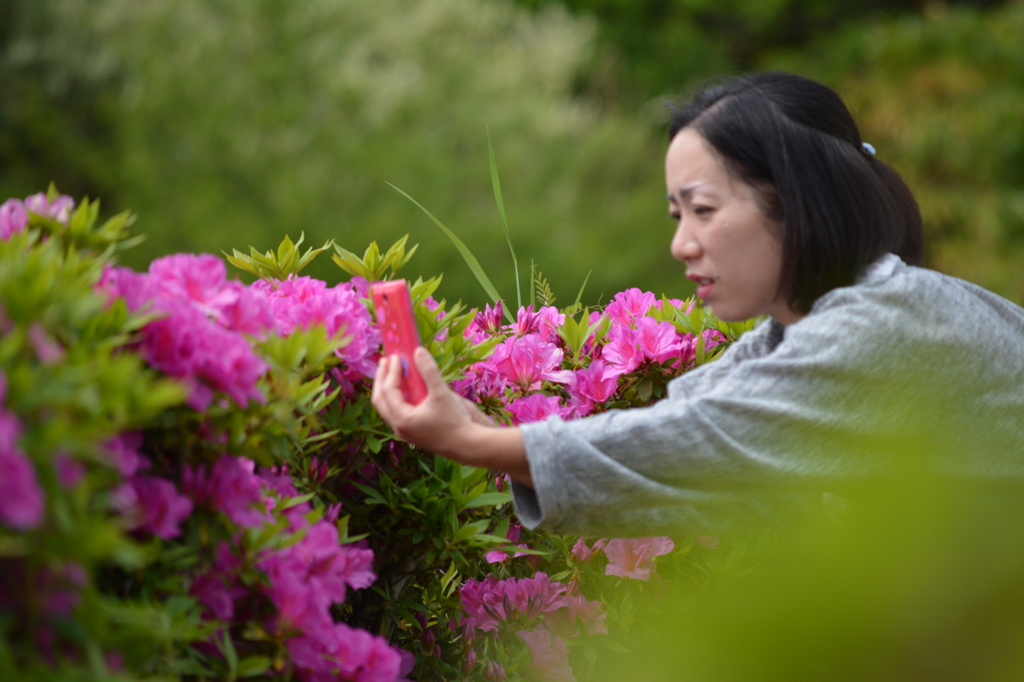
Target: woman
column 865, row 361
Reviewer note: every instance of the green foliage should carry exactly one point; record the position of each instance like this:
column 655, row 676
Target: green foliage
column 288, row 260
column 372, row 266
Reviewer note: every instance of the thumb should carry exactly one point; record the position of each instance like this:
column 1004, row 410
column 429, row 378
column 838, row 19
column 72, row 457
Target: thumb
column 429, row 370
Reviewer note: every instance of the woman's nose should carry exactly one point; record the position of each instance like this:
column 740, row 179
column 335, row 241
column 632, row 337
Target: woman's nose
column 684, row 246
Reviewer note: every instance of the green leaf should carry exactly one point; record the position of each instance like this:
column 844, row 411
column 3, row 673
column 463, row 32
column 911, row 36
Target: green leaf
column 467, row 255
column 250, row 666
column 488, row 500
column 580, row 295
column 496, row 184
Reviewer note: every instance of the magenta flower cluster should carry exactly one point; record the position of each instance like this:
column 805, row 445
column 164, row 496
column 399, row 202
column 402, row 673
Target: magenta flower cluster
column 530, row 376
column 203, row 319
column 521, row 605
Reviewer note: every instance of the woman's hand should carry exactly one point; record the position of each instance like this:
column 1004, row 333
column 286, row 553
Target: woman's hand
column 435, row 423
column 445, row 423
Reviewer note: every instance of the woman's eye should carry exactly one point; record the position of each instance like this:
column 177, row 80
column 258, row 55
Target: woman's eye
column 701, row 211
column 674, row 216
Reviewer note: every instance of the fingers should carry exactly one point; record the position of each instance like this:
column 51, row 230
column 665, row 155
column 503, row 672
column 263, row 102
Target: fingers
column 387, row 392
column 429, row 370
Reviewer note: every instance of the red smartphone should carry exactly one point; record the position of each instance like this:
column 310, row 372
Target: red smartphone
column 397, row 324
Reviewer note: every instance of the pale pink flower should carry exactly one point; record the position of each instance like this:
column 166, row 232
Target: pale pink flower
column 634, row 557
column 565, row 621
column 59, row 209
column 13, row 218
column 584, row 553
column 550, row 655
column 47, row 350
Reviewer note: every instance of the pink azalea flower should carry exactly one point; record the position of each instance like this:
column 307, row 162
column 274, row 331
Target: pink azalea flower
column 21, row 497
column 634, row 557
column 630, row 305
column 483, row 381
column 153, row 505
column 564, row 622
column 533, row 408
column 584, row 553
column 548, row 322
column 218, row 589
column 13, row 218
column 59, row 209
column 345, row 653
column 622, row 352
column 188, row 345
column 525, row 361
column 122, row 451
column 135, row 288
column 69, row 471
column 248, row 313
column 499, row 556
column 527, row 321
column 61, row 587
column 230, row 487
column 301, row 302
column 658, row 341
column 487, row 320
column 590, row 383
column 199, row 279
column 47, row 350
column 550, row 655
column 494, row 672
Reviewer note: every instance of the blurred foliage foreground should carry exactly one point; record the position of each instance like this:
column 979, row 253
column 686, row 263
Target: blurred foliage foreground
column 226, row 124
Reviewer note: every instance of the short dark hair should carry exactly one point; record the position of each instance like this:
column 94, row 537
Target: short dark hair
column 794, row 141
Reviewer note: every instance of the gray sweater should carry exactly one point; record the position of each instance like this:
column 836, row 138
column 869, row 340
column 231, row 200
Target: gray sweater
column 903, row 367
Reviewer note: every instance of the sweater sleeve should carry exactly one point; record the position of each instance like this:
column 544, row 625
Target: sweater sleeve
column 739, row 443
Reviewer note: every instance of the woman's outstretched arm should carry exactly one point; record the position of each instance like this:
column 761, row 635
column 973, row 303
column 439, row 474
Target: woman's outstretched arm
column 446, row 423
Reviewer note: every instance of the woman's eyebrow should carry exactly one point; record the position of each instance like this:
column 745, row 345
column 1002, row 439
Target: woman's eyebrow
column 684, row 193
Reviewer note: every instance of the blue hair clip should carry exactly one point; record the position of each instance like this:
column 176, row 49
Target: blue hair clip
column 868, row 148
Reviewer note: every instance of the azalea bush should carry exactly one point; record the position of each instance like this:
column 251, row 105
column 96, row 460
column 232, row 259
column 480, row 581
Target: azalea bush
column 193, row 484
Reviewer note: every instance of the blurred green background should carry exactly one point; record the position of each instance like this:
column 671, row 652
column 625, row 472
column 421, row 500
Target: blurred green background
column 225, row 124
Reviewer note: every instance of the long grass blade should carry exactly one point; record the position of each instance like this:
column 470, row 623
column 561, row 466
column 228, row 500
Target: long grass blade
column 580, row 295
column 496, row 183
column 467, row 255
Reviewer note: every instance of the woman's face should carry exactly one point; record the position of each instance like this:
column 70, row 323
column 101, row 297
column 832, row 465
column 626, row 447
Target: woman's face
column 731, row 248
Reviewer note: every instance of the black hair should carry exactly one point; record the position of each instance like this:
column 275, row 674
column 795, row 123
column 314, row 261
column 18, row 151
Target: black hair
column 796, row 143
